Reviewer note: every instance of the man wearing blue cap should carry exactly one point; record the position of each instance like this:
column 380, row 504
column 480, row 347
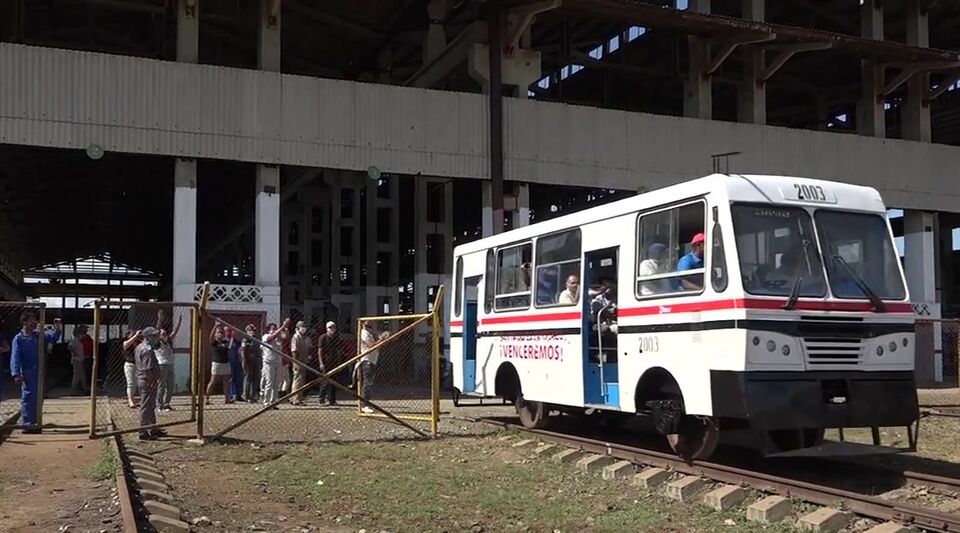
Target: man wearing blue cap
column 25, row 367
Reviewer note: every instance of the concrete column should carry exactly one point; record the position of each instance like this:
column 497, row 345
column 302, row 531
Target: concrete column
column 423, row 278
column 916, row 109
column 267, row 261
column 486, row 211
column 752, row 94
column 184, row 230
column 919, row 251
column 698, row 89
column 919, row 261
column 520, row 210
column 436, row 38
column 268, row 50
column 188, row 31
column 871, row 120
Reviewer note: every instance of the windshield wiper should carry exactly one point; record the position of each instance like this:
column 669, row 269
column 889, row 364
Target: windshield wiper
column 798, row 280
column 878, row 304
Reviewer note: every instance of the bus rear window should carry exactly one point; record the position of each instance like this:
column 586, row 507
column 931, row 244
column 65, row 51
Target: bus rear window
column 513, row 277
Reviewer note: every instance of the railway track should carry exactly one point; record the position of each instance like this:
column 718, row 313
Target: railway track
column 868, row 506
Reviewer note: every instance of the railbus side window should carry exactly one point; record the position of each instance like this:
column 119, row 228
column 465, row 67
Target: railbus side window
column 718, row 258
column 458, row 288
column 513, row 278
column 558, row 269
column 489, row 285
column 670, row 251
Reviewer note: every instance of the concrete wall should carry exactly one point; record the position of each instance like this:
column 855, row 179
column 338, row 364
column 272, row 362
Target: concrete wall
column 69, row 99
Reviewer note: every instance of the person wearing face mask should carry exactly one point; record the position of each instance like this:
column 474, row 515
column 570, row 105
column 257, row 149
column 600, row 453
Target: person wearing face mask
column 656, row 263
column 220, row 363
column 148, row 377
column 300, row 348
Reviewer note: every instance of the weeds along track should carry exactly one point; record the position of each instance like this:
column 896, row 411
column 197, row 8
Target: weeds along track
column 865, row 505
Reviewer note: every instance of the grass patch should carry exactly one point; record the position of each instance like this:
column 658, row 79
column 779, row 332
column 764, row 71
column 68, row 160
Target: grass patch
column 476, row 484
column 105, row 467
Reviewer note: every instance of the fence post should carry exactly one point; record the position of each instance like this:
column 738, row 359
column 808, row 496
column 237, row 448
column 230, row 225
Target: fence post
column 436, row 352
column 93, row 371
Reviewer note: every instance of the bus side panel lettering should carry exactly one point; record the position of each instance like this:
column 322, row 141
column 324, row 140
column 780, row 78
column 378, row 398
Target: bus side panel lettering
column 533, row 347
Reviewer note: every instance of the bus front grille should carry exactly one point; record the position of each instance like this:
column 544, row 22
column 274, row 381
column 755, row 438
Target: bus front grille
column 832, row 351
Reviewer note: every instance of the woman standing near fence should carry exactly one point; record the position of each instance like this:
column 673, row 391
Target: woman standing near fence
column 130, row 341
column 220, row 365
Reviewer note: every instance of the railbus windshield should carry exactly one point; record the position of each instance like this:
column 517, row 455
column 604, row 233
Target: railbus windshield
column 780, row 254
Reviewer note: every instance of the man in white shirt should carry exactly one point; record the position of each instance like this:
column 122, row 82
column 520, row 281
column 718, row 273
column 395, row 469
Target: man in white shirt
column 570, row 295
column 367, row 364
column 656, row 263
column 270, row 375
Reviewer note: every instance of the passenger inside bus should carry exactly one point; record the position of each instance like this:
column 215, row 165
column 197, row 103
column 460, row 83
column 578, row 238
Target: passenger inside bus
column 692, row 261
column 655, row 264
column 571, row 294
column 547, row 285
column 603, row 304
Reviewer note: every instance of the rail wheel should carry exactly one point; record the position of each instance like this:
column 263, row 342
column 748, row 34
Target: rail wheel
column 533, row 415
column 697, row 438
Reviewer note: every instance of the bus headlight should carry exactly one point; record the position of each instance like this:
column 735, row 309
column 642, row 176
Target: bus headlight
column 756, row 341
column 785, row 350
column 904, row 342
column 879, row 351
column 892, row 347
column 771, row 346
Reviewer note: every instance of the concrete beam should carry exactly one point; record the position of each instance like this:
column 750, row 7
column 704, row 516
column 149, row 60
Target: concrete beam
column 454, row 55
column 784, row 53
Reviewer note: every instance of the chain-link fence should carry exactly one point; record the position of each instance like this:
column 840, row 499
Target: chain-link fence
column 23, row 362
column 126, row 399
column 400, row 375
column 936, row 362
column 303, row 379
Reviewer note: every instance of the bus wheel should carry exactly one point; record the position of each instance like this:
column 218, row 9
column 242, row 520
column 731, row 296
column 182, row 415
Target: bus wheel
column 697, row 438
column 533, row 415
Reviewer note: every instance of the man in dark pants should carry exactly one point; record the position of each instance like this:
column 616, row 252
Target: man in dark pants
column 148, row 376
column 330, row 355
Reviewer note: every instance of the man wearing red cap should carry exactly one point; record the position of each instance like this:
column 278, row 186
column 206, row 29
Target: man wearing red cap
column 692, row 261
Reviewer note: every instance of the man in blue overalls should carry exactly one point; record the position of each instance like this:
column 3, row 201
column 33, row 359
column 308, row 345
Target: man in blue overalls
column 25, row 367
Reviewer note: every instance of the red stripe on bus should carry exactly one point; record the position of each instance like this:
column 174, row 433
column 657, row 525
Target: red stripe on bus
column 693, row 307
column 576, row 315
column 756, row 303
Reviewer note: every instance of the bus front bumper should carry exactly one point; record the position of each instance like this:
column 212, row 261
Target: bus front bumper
column 819, row 399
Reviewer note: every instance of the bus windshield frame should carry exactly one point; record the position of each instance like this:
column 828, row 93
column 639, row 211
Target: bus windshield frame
column 777, row 250
column 850, row 240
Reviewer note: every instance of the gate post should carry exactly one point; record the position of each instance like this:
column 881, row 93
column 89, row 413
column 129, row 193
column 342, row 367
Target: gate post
column 93, row 372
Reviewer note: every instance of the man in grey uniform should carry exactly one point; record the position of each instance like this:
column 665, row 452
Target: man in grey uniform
column 148, row 375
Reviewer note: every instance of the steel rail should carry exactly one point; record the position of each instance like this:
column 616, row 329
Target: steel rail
column 861, row 504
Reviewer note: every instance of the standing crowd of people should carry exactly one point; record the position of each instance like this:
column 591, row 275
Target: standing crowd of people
column 274, row 364
column 245, row 368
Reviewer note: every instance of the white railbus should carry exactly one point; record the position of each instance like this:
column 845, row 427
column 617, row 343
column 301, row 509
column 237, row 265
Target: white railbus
column 768, row 303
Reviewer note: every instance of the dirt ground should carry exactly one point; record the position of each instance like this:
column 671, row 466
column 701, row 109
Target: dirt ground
column 58, row 480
